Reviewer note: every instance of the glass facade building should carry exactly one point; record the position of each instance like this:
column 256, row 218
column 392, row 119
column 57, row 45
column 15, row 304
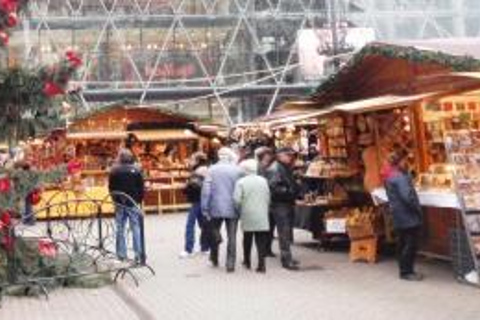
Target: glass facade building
column 226, row 59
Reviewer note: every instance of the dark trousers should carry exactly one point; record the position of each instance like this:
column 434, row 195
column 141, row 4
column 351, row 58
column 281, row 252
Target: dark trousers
column 261, row 241
column 284, row 215
column 271, row 233
column 195, row 216
column 216, row 239
column 408, row 240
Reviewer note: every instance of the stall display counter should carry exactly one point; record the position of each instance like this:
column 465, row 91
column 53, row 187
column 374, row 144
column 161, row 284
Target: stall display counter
column 441, row 216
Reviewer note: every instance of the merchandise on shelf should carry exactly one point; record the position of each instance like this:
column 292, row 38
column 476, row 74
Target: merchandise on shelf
column 364, row 223
column 437, row 178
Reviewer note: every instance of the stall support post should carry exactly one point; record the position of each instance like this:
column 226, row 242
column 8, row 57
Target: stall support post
column 100, row 227
column 143, row 256
column 418, row 129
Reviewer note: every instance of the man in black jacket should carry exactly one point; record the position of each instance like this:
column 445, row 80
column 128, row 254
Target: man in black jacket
column 284, row 191
column 406, row 211
column 126, row 185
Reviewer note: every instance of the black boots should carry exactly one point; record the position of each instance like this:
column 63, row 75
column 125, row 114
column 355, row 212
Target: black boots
column 292, row 265
column 261, row 266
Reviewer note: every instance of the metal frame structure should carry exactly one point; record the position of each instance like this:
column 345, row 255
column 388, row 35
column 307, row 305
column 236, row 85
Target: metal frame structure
column 234, row 58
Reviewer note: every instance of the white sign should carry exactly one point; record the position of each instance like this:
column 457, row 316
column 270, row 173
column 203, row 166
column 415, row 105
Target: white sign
column 336, row 225
column 313, row 45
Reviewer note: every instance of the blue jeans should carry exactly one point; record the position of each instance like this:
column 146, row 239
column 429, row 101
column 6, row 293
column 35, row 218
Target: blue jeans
column 194, row 216
column 122, row 213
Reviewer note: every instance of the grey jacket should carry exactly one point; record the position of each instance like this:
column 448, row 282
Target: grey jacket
column 217, row 191
column 403, row 200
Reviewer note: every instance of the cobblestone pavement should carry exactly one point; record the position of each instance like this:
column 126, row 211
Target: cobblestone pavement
column 329, row 287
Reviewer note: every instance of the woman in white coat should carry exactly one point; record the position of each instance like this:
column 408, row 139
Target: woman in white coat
column 252, row 200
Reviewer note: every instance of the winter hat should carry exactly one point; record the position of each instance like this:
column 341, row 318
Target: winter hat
column 125, row 156
column 249, row 166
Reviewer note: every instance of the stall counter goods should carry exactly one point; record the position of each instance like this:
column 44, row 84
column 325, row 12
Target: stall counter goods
column 434, row 199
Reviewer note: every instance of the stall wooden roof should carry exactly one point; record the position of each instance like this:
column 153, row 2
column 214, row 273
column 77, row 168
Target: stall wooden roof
column 379, row 69
column 124, row 115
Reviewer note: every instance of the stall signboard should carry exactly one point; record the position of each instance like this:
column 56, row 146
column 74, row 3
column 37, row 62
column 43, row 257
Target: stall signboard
column 315, row 45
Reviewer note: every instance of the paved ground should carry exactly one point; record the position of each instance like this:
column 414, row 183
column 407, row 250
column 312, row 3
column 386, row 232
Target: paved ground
column 329, row 288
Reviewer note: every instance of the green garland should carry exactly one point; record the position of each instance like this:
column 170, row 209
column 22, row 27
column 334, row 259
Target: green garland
column 412, row 54
column 125, row 104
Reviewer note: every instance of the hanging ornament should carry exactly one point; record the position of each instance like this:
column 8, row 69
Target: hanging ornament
column 12, row 19
column 5, row 185
column 52, row 89
column 4, row 38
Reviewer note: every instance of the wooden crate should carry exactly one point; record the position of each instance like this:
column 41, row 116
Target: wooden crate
column 365, row 249
column 361, row 231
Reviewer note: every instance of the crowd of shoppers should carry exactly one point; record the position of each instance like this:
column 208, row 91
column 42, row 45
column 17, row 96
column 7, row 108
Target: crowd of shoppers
column 259, row 192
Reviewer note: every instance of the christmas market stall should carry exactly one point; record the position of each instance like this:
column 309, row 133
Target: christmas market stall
column 388, row 98
column 424, row 103
column 161, row 141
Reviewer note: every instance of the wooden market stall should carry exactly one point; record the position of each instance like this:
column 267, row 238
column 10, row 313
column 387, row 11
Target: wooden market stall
column 411, row 99
column 161, row 141
column 390, row 97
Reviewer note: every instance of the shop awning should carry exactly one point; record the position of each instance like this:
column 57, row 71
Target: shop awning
column 301, row 116
column 97, row 135
column 165, row 135
column 381, row 103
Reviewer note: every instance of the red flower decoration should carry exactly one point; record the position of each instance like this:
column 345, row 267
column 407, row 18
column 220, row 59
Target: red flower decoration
column 75, row 62
column 74, row 167
column 5, row 220
column 52, row 89
column 35, row 197
column 47, row 248
column 9, row 5
column 73, row 58
column 12, row 19
column 7, row 241
column 5, row 185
